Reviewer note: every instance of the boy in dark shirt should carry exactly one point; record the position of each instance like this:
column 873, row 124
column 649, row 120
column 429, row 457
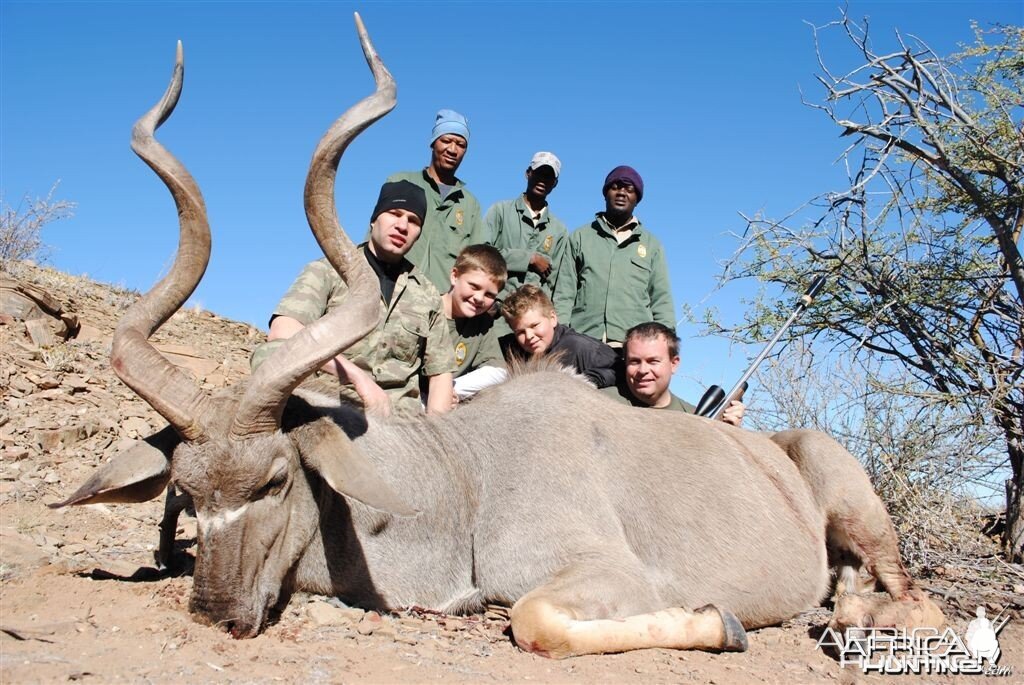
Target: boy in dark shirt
column 537, row 333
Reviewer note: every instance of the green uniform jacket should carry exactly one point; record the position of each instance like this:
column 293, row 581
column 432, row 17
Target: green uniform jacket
column 475, row 343
column 412, row 338
column 512, row 231
column 451, row 224
column 622, row 394
column 616, row 286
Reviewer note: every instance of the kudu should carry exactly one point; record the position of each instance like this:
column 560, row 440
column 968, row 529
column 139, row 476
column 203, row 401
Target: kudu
column 605, row 527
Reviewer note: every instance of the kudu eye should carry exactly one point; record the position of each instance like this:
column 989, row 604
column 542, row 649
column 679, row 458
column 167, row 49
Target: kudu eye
column 274, row 485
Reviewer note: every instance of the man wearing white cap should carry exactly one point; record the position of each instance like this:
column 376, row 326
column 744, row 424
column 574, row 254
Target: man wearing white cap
column 530, row 238
column 453, row 213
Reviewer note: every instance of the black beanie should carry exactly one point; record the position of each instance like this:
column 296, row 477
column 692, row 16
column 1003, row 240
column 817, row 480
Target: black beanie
column 401, row 195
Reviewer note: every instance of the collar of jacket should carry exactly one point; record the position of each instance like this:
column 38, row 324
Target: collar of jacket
column 404, row 266
column 601, row 225
column 457, row 188
column 559, row 332
column 525, row 211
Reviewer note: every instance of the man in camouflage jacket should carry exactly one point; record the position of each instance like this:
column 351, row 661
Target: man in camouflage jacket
column 381, row 371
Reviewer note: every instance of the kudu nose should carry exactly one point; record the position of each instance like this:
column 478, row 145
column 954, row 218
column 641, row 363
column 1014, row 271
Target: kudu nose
column 236, row 630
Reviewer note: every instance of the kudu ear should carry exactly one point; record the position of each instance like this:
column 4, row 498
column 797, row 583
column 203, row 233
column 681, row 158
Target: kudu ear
column 326, row 449
column 137, row 474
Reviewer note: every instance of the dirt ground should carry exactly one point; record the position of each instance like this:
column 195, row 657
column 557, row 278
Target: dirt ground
column 80, row 600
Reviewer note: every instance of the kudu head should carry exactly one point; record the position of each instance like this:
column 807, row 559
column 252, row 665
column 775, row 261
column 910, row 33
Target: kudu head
column 250, row 484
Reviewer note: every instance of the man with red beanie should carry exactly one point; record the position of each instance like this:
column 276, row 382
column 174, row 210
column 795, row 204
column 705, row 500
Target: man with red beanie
column 621, row 277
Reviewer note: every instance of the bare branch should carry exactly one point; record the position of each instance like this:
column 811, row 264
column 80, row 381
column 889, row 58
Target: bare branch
column 21, row 227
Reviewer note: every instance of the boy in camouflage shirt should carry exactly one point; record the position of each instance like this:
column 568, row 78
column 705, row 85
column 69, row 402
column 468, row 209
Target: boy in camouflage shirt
column 477, row 278
column 382, row 370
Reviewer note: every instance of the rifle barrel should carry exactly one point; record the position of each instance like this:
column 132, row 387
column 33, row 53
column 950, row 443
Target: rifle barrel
column 805, row 301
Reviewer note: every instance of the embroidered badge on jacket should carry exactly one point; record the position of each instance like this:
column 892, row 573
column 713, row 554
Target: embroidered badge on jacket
column 641, row 250
column 460, row 353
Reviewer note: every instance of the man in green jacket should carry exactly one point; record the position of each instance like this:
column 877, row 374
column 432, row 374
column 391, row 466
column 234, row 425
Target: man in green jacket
column 651, row 356
column 533, row 241
column 453, row 213
column 620, row 274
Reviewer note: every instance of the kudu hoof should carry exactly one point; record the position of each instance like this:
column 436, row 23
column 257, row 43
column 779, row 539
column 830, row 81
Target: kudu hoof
column 735, row 634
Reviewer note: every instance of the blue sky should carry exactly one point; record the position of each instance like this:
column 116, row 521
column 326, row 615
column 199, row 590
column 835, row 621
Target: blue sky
column 702, row 98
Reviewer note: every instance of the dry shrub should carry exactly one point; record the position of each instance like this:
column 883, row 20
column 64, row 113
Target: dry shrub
column 119, row 299
column 937, row 530
column 21, row 227
column 60, row 358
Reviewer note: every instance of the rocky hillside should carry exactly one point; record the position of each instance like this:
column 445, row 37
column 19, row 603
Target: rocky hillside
column 64, row 410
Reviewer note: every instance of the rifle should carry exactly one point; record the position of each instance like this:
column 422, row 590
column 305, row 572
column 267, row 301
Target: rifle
column 997, row 628
column 715, row 400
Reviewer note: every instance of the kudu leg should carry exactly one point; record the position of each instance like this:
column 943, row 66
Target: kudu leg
column 846, row 566
column 175, row 503
column 859, row 529
column 574, row 616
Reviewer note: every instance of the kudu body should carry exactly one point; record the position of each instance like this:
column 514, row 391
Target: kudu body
column 604, row 526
